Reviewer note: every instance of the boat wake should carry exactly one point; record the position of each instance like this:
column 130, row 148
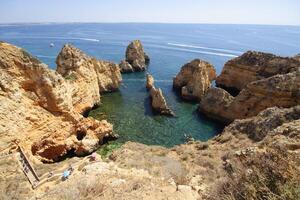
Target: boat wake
column 207, row 48
column 61, row 38
column 198, row 51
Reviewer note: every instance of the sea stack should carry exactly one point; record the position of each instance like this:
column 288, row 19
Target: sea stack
column 253, row 66
column 136, row 59
column 158, row 101
column 194, row 79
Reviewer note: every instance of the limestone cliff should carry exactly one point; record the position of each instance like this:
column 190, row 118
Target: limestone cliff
column 136, row 56
column 88, row 76
column 255, row 158
column 39, row 108
column 194, row 79
column 253, row 66
column 280, row 90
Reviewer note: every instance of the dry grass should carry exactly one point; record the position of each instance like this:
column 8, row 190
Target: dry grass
column 271, row 175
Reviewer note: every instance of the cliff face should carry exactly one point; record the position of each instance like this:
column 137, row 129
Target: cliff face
column 253, row 66
column 88, row 76
column 136, row 57
column 194, row 79
column 280, row 90
column 39, row 108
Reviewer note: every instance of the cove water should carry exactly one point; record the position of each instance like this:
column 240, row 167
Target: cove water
column 169, row 47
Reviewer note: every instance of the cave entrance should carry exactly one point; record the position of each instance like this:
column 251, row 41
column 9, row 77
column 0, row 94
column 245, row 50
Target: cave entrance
column 80, row 135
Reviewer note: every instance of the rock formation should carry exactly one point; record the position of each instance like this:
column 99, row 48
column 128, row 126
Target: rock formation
column 194, row 79
column 259, row 146
column 39, row 107
column 280, row 90
column 88, row 76
column 158, row 100
column 253, row 66
column 297, row 57
column 149, row 82
column 136, row 57
column 125, row 67
column 255, row 157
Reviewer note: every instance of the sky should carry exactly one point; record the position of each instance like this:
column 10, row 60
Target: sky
column 278, row 12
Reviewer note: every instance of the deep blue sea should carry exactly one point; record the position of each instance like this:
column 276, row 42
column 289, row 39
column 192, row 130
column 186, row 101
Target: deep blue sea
column 169, row 47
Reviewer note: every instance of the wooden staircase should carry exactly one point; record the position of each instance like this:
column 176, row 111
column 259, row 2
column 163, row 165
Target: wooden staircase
column 28, row 169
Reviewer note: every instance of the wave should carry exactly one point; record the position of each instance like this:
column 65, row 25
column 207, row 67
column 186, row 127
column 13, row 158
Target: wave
column 197, row 51
column 61, row 38
column 72, row 38
column 207, row 48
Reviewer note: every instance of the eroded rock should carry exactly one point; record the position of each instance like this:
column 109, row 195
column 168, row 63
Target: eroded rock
column 158, row 101
column 280, row 90
column 125, row 67
column 253, row 66
column 136, row 56
column 149, row 81
column 194, row 79
column 39, row 107
column 88, row 76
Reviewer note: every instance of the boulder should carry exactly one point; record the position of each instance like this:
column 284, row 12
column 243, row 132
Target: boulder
column 253, row 66
column 89, row 76
column 136, row 56
column 40, row 108
column 125, row 67
column 194, row 79
column 282, row 90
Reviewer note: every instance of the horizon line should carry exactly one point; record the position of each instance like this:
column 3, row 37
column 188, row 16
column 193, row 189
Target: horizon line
column 91, row 22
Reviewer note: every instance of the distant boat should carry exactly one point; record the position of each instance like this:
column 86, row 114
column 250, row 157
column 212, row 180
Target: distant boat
column 51, row 45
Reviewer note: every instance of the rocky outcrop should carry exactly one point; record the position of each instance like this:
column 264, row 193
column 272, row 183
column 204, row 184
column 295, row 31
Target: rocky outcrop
column 149, row 82
column 125, row 67
column 39, row 107
column 297, row 57
column 253, row 66
column 158, row 101
column 258, row 156
column 280, row 90
column 88, row 76
column 194, row 79
column 136, row 56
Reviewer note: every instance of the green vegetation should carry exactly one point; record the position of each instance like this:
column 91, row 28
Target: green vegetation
column 71, row 77
column 107, row 149
column 31, row 58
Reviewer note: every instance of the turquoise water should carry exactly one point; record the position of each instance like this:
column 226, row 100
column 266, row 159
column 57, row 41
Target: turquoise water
column 169, row 47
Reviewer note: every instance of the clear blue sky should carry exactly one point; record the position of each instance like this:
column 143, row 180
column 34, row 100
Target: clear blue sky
column 286, row 12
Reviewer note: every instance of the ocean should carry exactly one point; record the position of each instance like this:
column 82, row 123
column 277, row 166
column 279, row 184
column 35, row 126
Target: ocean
column 169, row 47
